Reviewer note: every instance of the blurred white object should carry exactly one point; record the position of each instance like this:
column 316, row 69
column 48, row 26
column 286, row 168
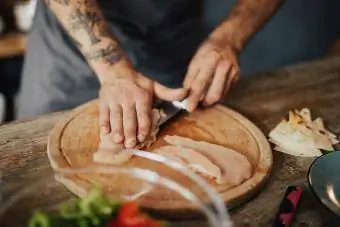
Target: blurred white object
column 24, row 13
column 2, row 25
column 180, row 104
column 2, row 108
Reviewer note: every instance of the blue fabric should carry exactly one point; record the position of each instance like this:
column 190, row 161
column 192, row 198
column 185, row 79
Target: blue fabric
column 302, row 30
column 57, row 77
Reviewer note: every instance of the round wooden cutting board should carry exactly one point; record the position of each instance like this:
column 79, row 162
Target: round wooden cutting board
column 74, row 139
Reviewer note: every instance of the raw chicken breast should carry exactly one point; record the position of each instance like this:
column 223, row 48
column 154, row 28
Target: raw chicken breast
column 115, row 154
column 192, row 159
column 235, row 167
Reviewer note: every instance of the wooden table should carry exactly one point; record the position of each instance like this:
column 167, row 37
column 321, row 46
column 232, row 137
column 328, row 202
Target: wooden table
column 264, row 99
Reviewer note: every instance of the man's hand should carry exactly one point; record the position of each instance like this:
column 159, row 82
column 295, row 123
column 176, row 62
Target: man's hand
column 215, row 67
column 211, row 73
column 125, row 103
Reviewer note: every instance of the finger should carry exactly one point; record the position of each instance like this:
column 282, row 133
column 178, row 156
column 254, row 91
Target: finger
column 116, row 122
column 191, row 74
column 104, row 118
column 195, row 64
column 215, row 91
column 201, row 82
column 143, row 108
column 130, row 125
column 237, row 75
column 231, row 78
column 192, row 70
column 169, row 94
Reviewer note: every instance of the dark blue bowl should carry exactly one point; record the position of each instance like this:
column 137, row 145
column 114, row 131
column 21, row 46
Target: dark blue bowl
column 324, row 180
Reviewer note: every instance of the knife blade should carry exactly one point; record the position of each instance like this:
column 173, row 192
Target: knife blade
column 171, row 109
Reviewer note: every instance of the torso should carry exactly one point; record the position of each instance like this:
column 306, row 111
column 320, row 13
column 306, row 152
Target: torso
column 160, row 36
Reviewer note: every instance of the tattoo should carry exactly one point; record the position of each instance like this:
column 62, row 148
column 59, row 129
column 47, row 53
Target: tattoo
column 86, row 21
column 61, row 2
column 111, row 55
column 103, row 31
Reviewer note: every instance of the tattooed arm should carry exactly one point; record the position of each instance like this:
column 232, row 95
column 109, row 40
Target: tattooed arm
column 214, row 68
column 85, row 23
column 125, row 95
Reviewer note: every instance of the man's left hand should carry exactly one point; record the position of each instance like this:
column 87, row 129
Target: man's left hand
column 211, row 73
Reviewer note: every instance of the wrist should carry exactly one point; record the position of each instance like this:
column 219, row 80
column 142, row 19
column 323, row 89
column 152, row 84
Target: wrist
column 106, row 59
column 108, row 74
column 228, row 34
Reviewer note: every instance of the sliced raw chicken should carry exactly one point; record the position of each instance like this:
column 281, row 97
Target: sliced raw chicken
column 301, row 136
column 112, row 153
column 235, row 167
column 192, row 159
column 318, row 125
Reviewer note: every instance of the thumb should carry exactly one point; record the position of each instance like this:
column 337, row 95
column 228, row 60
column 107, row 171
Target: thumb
column 169, row 94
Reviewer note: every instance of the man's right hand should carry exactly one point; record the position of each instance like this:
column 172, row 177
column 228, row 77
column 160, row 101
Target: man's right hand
column 125, row 103
column 125, row 95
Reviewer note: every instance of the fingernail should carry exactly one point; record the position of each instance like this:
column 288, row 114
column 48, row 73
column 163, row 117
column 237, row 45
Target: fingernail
column 141, row 137
column 117, row 138
column 130, row 143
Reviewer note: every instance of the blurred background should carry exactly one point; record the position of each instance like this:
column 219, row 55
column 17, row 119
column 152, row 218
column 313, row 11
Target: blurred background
column 15, row 21
column 303, row 30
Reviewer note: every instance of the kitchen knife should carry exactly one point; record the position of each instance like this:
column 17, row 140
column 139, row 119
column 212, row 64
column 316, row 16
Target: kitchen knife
column 171, row 109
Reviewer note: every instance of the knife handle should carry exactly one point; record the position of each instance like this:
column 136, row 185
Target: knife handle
column 288, row 206
column 180, row 104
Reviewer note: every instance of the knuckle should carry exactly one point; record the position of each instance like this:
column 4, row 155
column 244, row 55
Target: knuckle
column 144, row 129
column 117, row 117
column 117, row 130
column 129, row 117
column 214, row 56
column 195, row 94
column 128, row 107
column 225, row 63
column 144, row 123
column 144, row 97
column 126, row 101
column 104, row 123
column 200, row 85
column 112, row 105
column 103, row 109
column 117, row 126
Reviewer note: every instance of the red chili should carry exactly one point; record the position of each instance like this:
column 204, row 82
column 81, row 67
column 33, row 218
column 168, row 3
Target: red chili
column 130, row 216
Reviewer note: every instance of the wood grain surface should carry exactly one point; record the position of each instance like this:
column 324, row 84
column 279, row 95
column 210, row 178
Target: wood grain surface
column 73, row 141
column 264, row 99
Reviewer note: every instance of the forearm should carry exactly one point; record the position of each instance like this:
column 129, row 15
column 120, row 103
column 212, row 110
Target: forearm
column 85, row 23
column 245, row 19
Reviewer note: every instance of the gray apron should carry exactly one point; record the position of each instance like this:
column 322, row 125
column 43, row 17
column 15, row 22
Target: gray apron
column 159, row 36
